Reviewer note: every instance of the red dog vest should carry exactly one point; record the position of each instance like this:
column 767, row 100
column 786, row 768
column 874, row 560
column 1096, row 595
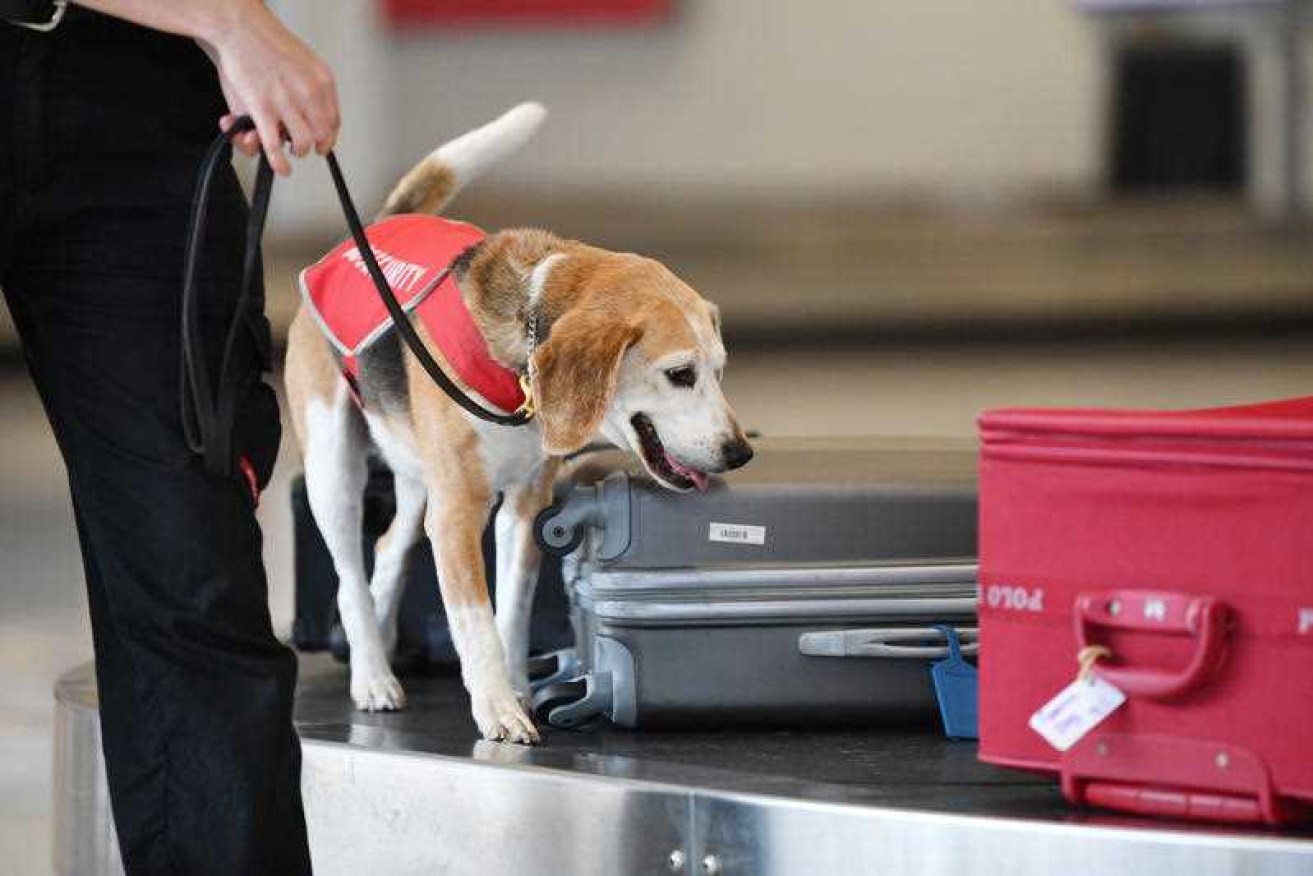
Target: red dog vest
column 415, row 252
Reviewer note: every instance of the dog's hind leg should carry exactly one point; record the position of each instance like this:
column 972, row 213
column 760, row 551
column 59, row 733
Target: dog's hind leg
column 336, row 444
column 390, row 555
column 518, row 560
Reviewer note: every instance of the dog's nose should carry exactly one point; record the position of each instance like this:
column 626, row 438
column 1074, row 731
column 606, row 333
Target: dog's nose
column 736, row 453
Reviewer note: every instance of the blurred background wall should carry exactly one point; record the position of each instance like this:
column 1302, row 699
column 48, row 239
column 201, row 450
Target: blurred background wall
column 858, row 168
column 949, row 103
column 864, row 167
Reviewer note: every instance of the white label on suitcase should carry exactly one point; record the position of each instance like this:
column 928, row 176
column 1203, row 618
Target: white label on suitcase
column 1077, row 710
column 737, row 533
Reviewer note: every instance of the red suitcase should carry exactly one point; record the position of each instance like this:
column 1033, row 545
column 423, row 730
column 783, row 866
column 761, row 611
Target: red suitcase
column 1183, row 542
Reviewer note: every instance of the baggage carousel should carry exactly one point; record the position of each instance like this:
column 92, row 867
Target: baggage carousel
column 418, row 792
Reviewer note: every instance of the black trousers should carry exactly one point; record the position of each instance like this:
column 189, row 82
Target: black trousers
column 102, row 128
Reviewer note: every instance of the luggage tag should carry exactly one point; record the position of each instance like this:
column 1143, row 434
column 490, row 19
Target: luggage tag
column 1080, row 706
column 955, row 688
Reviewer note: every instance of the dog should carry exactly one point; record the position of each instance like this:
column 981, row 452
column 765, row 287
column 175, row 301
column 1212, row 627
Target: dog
column 614, row 344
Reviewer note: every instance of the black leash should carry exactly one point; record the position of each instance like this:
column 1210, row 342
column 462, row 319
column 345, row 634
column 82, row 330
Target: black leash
column 209, row 414
column 38, row 15
column 402, row 322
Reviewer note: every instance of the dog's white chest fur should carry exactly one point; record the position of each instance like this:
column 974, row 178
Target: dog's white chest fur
column 511, row 455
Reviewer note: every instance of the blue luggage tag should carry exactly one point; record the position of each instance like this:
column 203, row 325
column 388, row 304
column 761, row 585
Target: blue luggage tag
column 955, row 689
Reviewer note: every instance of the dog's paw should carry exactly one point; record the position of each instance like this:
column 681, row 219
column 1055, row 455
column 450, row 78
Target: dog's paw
column 502, row 718
column 377, row 690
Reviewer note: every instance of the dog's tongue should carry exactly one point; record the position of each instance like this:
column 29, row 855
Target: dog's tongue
column 698, row 478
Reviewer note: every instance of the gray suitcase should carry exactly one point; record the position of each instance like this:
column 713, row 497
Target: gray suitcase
column 803, row 589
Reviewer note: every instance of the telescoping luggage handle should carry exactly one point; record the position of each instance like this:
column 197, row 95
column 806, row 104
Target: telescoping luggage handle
column 1202, row 617
column 907, row 643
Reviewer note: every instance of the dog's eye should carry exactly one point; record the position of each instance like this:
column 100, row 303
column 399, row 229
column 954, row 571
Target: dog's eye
column 685, row 376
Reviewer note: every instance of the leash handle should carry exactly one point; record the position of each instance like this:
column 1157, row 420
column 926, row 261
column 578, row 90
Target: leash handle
column 209, row 411
column 401, row 322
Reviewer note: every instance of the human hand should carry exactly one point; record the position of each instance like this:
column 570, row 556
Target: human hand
column 269, row 74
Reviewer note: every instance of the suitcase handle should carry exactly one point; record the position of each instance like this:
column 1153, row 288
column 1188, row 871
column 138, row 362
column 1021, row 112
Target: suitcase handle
column 1197, row 779
column 1202, row 617
column 885, row 642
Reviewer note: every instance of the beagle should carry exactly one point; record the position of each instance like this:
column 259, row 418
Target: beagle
column 611, row 343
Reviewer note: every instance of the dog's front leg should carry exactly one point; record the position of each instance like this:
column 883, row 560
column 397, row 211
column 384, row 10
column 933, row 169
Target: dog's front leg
column 455, row 529
column 518, row 560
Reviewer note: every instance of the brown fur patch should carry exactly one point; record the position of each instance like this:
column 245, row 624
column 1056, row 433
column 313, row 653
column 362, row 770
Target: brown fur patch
column 309, row 370
column 495, row 286
column 426, row 188
column 456, row 482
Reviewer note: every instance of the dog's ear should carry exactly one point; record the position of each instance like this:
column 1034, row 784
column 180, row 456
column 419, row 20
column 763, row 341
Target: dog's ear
column 575, row 375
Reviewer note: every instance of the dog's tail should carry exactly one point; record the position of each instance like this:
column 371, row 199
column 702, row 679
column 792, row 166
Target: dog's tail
column 431, row 184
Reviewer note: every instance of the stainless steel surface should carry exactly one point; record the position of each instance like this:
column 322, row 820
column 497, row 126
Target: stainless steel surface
column 84, row 837
column 771, row 836
column 415, row 792
column 394, row 813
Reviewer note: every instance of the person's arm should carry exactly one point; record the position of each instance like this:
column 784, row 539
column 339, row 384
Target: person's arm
column 265, row 70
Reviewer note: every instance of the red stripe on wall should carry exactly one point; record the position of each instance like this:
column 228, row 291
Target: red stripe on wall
column 437, row 13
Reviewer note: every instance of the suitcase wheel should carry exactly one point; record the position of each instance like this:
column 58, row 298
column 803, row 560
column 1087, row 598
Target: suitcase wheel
column 554, row 696
column 555, row 535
